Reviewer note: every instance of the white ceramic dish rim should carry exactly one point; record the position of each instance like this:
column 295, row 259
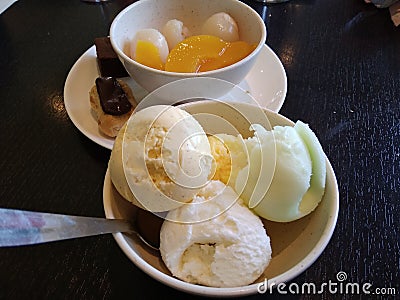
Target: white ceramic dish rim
column 185, row 75
column 88, row 58
column 236, row 291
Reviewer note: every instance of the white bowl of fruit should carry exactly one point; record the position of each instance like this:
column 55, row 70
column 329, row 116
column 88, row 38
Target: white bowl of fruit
column 162, row 41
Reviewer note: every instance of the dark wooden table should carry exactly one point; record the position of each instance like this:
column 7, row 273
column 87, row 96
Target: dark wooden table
column 342, row 59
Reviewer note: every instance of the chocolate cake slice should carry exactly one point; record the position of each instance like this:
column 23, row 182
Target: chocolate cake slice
column 107, row 60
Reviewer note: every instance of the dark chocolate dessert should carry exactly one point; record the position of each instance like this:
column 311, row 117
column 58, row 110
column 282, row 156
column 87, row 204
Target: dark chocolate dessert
column 107, row 60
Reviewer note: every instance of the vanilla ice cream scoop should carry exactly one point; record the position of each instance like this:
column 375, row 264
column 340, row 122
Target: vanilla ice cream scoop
column 227, row 246
column 161, row 158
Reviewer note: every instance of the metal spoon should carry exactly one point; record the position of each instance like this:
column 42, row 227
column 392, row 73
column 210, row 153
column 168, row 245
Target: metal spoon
column 19, row 227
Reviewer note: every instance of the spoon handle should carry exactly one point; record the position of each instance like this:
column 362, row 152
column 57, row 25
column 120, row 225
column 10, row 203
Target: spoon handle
column 18, row 227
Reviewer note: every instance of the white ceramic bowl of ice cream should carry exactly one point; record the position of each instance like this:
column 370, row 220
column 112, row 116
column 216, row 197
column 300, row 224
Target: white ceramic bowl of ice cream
column 154, row 14
column 295, row 245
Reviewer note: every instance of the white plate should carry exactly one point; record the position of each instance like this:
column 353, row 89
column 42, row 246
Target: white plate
column 266, row 82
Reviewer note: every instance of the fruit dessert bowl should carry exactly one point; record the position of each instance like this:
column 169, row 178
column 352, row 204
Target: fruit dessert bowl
column 142, row 23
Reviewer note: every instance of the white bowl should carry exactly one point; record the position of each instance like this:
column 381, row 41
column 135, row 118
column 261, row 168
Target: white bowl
column 154, row 14
column 295, row 245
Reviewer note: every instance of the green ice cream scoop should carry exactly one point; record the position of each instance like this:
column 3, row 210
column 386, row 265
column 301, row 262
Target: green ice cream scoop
column 285, row 177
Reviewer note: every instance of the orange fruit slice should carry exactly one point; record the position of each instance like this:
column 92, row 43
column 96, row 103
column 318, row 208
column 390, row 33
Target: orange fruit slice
column 203, row 53
column 234, row 52
column 188, row 55
column 147, row 54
